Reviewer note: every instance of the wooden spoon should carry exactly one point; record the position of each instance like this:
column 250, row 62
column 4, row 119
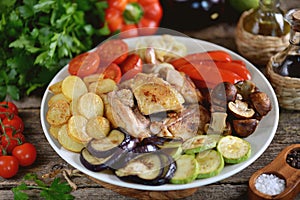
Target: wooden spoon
column 281, row 169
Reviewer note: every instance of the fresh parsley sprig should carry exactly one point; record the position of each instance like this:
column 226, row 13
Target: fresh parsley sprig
column 39, row 37
column 56, row 190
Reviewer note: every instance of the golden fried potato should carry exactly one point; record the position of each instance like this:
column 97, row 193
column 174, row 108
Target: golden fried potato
column 54, row 131
column 90, row 105
column 73, row 87
column 98, row 127
column 58, row 96
column 77, row 129
column 105, row 86
column 67, row 142
column 56, row 87
column 58, row 113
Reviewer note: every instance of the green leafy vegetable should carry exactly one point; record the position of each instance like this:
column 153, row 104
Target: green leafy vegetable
column 57, row 189
column 39, row 37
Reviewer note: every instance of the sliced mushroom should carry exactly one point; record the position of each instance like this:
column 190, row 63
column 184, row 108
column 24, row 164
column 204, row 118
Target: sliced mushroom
column 245, row 88
column 244, row 127
column 261, row 102
column 218, row 124
column 222, row 94
column 240, row 109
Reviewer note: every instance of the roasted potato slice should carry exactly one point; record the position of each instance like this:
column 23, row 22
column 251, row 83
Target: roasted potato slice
column 74, row 107
column 73, row 87
column 58, row 96
column 67, row 142
column 77, row 129
column 58, row 113
column 56, row 87
column 98, row 127
column 94, row 78
column 90, row 105
column 54, row 131
column 105, row 86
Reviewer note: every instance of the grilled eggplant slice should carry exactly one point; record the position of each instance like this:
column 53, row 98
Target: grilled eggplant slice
column 145, row 168
column 106, row 146
column 92, row 163
column 145, row 148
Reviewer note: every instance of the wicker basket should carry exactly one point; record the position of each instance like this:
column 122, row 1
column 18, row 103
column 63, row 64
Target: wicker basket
column 258, row 49
column 287, row 89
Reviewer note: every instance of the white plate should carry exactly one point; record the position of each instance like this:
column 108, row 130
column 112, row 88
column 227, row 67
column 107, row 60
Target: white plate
column 259, row 140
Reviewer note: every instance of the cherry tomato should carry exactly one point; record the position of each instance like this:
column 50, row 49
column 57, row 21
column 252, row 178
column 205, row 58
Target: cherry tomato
column 2, row 150
column 10, row 141
column 7, row 108
column 25, row 153
column 9, row 166
column 131, row 66
column 84, row 64
column 115, row 51
column 14, row 123
column 113, row 72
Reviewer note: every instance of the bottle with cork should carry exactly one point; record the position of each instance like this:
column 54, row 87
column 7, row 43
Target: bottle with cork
column 262, row 32
column 287, row 62
column 283, row 69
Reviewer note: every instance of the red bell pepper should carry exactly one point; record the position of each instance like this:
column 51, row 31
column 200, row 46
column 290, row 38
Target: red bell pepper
column 128, row 16
column 216, row 55
column 210, row 76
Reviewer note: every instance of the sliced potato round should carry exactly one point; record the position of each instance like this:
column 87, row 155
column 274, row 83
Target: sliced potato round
column 93, row 78
column 56, row 87
column 58, row 96
column 73, row 87
column 58, row 113
column 105, row 86
column 54, row 131
column 67, row 142
column 90, row 105
column 74, row 107
column 98, row 127
column 77, row 129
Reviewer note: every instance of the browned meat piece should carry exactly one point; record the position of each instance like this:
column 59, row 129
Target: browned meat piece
column 155, row 95
column 186, row 124
column 123, row 116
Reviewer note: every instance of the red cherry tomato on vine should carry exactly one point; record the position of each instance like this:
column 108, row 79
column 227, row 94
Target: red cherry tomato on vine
column 25, row 153
column 7, row 108
column 10, row 141
column 9, row 166
column 84, row 64
column 14, row 123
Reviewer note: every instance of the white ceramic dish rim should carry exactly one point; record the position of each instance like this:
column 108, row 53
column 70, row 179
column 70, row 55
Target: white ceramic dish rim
column 260, row 140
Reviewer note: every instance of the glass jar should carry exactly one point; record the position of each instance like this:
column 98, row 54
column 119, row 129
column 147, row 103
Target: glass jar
column 287, row 62
column 267, row 20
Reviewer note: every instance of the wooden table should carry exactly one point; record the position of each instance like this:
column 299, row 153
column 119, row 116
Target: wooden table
column 235, row 187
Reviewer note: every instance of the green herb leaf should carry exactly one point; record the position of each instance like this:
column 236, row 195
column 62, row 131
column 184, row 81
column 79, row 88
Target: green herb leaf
column 18, row 195
column 57, row 189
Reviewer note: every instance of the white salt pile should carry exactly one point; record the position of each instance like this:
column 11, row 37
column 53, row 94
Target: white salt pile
column 269, row 184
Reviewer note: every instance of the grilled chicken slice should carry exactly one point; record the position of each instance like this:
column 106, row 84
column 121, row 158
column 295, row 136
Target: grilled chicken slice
column 186, row 124
column 154, row 95
column 123, row 116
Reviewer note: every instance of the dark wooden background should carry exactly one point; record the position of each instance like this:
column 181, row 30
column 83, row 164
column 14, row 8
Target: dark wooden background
column 235, row 187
